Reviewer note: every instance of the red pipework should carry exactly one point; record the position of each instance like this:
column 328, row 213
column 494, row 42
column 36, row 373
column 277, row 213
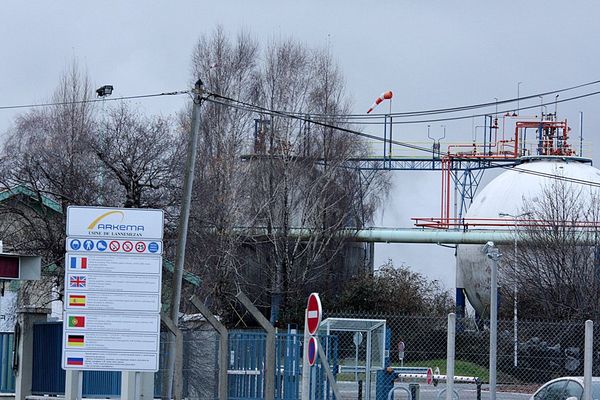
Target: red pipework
column 549, row 146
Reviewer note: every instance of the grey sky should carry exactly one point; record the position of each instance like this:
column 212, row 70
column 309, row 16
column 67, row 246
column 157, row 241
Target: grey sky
column 430, row 53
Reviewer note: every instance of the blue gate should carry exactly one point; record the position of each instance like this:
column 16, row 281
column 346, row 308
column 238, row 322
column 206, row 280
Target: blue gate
column 49, row 377
column 7, row 377
column 247, row 359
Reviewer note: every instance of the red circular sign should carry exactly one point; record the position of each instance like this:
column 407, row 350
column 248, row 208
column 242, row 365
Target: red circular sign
column 140, row 247
column 313, row 313
column 127, row 246
column 429, row 376
column 311, row 351
column 114, row 246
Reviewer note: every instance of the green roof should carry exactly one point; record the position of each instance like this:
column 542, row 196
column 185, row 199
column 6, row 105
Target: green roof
column 188, row 276
column 48, row 202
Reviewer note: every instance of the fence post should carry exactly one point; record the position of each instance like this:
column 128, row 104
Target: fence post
column 587, row 360
column 178, row 373
column 223, row 345
column 269, row 345
column 27, row 317
column 450, row 355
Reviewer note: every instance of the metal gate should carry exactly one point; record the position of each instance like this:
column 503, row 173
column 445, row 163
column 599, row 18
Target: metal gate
column 247, row 360
column 7, row 377
column 49, row 377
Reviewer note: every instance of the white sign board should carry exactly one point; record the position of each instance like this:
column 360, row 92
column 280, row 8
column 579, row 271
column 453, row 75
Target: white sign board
column 120, row 223
column 113, row 270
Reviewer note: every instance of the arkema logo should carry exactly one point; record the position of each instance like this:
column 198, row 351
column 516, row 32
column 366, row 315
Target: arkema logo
column 110, row 224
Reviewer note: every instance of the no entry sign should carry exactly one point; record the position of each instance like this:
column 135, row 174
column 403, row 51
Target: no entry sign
column 311, row 351
column 313, row 313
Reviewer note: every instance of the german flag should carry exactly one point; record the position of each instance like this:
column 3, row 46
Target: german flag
column 77, row 321
column 77, row 300
column 75, row 340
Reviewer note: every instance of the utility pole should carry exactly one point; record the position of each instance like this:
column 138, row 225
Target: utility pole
column 182, row 237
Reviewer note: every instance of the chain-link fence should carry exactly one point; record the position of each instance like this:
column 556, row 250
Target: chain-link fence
column 529, row 353
column 526, row 358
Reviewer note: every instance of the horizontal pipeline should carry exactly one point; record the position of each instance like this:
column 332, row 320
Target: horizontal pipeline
column 402, row 235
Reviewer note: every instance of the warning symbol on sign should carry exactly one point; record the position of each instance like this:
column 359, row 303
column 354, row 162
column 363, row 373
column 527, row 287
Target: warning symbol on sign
column 140, row 247
column 127, row 246
column 114, row 246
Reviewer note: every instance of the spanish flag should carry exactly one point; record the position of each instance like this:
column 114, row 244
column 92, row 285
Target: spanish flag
column 77, row 300
column 77, row 321
column 75, row 340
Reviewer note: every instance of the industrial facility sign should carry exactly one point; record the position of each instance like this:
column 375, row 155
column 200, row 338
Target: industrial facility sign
column 132, row 223
column 113, row 271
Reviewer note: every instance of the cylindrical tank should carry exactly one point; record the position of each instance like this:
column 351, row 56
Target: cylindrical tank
column 506, row 194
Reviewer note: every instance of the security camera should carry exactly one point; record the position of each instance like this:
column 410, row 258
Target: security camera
column 488, row 247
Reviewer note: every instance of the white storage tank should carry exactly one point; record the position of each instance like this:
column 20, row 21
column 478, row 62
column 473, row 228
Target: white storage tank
column 506, row 194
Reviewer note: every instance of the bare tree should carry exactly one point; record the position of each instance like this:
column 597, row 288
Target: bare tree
column 141, row 155
column 295, row 174
column 556, row 275
column 46, row 166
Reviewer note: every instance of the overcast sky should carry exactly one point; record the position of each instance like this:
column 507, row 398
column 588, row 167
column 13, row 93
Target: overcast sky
column 430, row 53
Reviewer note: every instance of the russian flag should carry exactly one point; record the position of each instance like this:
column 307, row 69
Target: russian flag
column 78, row 263
column 75, row 361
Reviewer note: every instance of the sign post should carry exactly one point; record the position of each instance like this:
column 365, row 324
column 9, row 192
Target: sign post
column 401, row 347
column 312, row 320
column 113, row 272
column 357, row 339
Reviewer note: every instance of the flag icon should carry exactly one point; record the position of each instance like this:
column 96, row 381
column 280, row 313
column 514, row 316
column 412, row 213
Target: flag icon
column 75, row 340
column 77, row 300
column 77, row 322
column 77, row 281
column 78, row 263
column 75, row 361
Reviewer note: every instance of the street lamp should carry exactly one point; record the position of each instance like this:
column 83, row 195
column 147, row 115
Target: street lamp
column 104, row 91
column 493, row 253
column 515, row 287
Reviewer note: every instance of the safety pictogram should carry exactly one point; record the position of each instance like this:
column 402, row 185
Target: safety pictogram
column 140, row 247
column 127, row 246
column 114, row 245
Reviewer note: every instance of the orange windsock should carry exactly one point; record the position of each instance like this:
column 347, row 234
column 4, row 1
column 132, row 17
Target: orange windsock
column 384, row 96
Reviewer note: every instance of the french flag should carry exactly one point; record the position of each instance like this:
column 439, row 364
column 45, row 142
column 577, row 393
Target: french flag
column 78, row 263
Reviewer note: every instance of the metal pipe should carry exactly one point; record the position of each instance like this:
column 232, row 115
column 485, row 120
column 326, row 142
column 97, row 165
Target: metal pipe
column 580, row 133
column 450, row 355
column 411, row 235
column 587, row 360
column 493, row 253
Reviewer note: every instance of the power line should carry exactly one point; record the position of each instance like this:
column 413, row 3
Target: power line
column 66, row 103
column 440, row 110
column 263, row 110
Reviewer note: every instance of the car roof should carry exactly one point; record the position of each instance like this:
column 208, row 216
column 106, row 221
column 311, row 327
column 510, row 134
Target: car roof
column 573, row 378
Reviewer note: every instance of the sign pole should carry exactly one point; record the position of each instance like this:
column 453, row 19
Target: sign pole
column 305, row 367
